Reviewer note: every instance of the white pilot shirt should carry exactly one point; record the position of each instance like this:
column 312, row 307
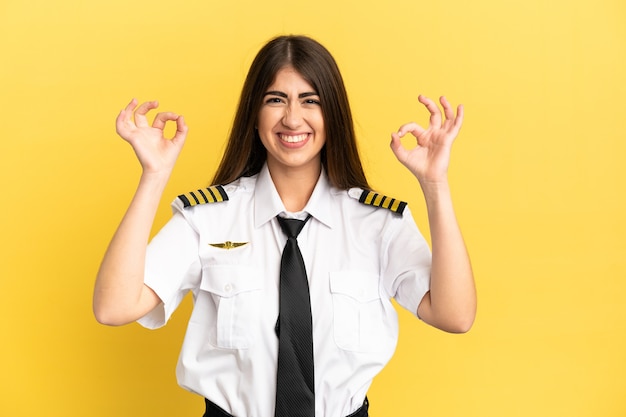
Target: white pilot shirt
column 357, row 258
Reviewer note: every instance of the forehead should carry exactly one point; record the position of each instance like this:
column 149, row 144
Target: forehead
column 289, row 78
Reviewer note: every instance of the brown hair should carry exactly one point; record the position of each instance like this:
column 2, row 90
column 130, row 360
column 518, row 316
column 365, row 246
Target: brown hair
column 245, row 154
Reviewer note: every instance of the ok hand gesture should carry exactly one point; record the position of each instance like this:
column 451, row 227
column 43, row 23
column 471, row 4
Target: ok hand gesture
column 429, row 160
column 155, row 152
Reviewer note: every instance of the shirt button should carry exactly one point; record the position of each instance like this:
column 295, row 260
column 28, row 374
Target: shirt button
column 228, row 288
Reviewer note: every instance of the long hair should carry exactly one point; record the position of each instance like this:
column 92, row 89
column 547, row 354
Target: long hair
column 245, row 154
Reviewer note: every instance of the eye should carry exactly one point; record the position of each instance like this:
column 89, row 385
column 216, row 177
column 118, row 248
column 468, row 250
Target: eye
column 274, row 100
column 312, row 101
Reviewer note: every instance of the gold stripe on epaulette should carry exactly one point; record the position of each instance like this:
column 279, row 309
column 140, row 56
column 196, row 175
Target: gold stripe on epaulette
column 213, row 194
column 372, row 198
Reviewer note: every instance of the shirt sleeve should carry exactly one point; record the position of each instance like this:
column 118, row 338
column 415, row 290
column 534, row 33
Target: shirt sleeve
column 172, row 268
column 407, row 262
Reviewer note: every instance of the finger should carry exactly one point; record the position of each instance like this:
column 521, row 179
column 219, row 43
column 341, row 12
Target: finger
column 127, row 111
column 140, row 113
column 162, row 118
column 447, row 108
column 435, row 113
column 131, row 106
column 181, row 131
column 413, row 128
column 123, row 120
column 459, row 117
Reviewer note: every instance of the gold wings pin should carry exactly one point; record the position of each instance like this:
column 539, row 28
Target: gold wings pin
column 228, row 245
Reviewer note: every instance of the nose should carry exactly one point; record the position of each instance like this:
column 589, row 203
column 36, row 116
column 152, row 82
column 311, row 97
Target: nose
column 293, row 115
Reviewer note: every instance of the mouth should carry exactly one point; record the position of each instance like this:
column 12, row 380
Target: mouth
column 294, row 138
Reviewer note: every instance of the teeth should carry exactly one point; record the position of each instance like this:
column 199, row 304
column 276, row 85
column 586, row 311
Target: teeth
column 294, row 139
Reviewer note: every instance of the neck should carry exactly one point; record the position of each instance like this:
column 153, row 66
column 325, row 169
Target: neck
column 295, row 186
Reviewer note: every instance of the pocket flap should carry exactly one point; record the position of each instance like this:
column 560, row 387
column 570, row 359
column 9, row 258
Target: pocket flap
column 229, row 280
column 360, row 285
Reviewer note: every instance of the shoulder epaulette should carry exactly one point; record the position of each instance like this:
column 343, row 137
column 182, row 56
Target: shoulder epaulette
column 372, row 198
column 213, row 194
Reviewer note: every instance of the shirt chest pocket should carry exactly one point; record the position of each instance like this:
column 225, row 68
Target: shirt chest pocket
column 234, row 296
column 359, row 318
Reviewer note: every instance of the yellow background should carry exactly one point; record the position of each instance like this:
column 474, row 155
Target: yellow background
column 537, row 173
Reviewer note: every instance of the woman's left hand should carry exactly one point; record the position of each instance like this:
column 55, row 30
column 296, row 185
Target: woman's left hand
column 429, row 160
column 450, row 304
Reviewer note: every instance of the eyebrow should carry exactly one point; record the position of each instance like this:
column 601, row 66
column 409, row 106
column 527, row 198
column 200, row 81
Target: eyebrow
column 281, row 94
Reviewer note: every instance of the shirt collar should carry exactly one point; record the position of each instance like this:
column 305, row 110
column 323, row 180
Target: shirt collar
column 319, row 205
column 268, row 203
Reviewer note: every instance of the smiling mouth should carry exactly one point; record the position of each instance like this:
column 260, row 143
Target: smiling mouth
column 294, row 139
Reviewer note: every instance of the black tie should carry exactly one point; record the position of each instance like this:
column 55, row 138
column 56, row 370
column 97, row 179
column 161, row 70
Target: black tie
column 295, row 390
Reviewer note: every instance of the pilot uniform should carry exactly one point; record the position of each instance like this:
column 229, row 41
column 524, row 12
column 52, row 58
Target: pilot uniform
column 224, row 244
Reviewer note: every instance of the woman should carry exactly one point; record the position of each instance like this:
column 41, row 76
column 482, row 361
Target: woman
column 291, row 154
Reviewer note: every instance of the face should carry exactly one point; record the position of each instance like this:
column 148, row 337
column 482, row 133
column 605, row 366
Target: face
column 291, row 125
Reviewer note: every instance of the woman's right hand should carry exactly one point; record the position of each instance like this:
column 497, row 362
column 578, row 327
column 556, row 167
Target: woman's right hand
column 120, row 295
column 156, row 153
